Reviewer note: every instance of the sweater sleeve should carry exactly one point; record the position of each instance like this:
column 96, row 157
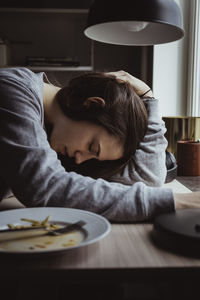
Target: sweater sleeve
column 35, row 175
column 150, row 157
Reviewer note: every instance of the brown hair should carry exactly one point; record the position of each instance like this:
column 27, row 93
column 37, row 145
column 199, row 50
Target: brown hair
column 124, row 116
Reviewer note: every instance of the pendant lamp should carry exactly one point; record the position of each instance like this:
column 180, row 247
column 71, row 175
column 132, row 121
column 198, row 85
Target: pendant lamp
column 134, row 22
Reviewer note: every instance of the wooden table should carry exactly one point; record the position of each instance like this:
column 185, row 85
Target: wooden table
column 124, row 265
column 191, row 182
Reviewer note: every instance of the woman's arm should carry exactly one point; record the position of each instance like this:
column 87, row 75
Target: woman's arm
column 149, row 159
column 37, row 178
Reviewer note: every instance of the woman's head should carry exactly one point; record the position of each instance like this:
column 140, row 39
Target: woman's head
column 109, row 105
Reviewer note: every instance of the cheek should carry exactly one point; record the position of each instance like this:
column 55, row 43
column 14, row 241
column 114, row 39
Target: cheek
column 117, row 152
column 57, row 137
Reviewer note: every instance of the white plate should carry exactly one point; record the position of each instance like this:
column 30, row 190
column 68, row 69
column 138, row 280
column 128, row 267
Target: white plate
column 96, row 228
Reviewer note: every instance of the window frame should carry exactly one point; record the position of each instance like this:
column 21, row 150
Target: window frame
column 193, row 103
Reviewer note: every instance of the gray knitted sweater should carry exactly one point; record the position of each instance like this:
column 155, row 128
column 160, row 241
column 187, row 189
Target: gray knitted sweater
column 31, row 170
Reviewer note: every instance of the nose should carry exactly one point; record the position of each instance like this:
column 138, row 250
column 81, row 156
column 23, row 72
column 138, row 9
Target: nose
column 82, row 156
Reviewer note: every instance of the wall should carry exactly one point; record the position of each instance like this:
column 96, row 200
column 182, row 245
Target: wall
column 170, row 68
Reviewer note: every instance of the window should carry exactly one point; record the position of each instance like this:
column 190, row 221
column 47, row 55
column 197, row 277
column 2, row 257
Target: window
column 193, row 104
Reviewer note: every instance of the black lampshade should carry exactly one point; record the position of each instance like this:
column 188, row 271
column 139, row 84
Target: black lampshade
column 134, row 22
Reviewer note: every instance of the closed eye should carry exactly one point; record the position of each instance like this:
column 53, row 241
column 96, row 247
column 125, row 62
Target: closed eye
column 94, row 148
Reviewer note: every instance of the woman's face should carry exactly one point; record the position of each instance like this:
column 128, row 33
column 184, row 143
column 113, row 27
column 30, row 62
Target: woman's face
column 83, row 140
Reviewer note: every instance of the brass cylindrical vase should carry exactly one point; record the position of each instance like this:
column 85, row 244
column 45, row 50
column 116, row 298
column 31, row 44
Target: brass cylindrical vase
column 181, row 129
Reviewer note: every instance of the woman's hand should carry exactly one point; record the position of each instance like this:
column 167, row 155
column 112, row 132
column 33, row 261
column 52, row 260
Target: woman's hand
column 189, row 200
column 139, row 86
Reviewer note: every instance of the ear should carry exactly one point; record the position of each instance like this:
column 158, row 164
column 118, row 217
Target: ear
column 94, row 100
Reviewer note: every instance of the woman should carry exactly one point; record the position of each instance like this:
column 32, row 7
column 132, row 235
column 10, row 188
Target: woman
column 39, row 120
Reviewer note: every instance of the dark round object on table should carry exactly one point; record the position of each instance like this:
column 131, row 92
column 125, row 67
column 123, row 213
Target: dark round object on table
column 178, row 232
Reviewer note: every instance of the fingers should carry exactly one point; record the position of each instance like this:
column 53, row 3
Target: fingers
column 190, row 200
column 120, row 75
column 139, row 86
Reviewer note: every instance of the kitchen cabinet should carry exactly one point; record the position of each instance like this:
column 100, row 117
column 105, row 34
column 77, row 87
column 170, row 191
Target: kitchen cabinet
column 47, row 33
column 58, row 33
